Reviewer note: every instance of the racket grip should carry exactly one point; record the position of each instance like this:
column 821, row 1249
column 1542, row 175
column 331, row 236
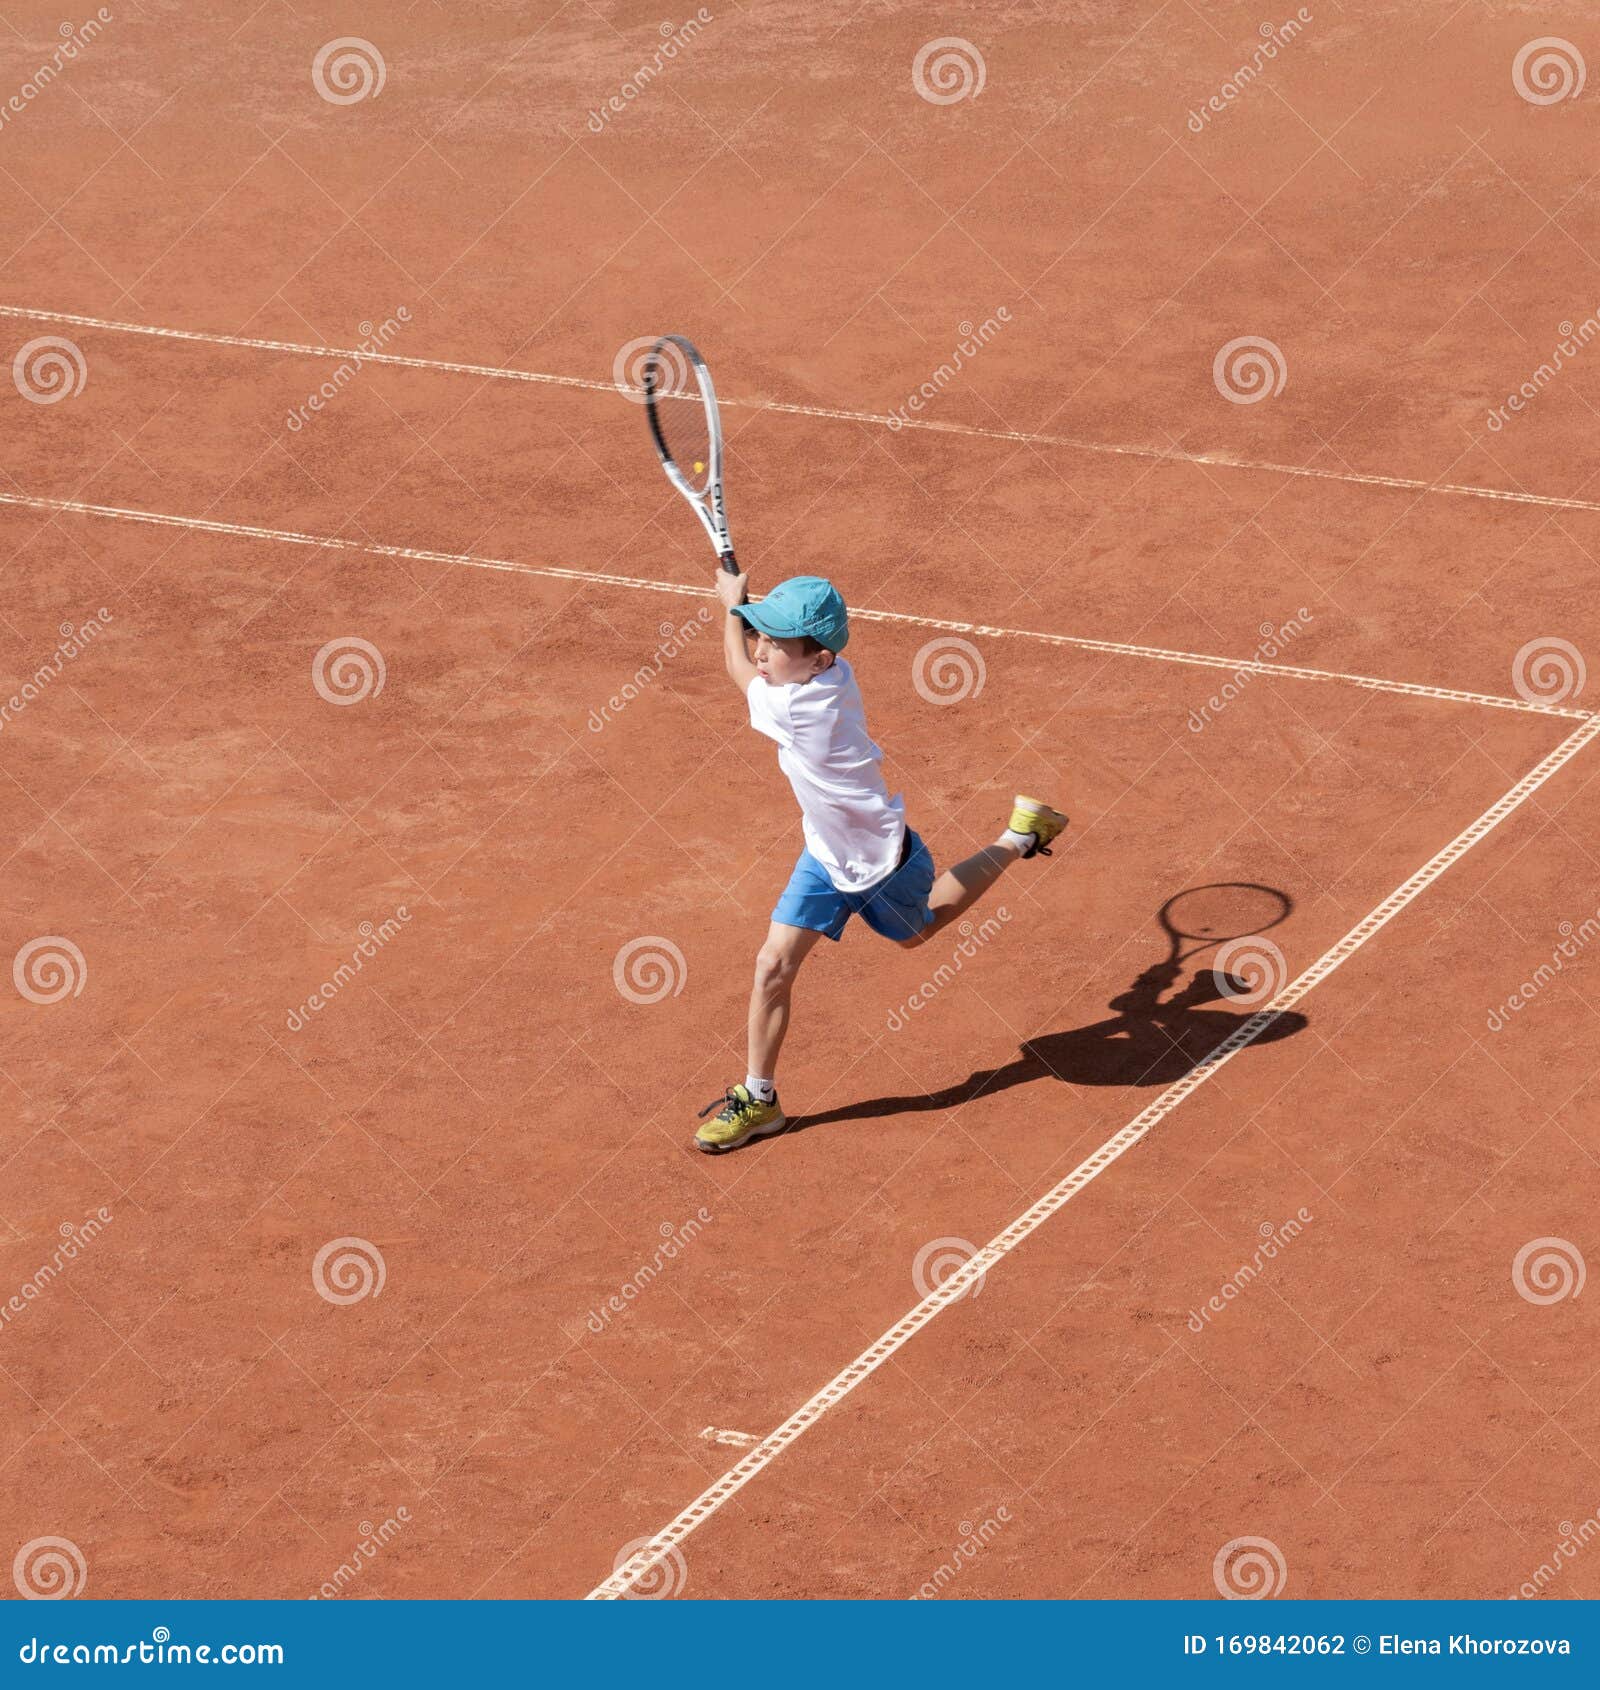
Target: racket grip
column 729, row 564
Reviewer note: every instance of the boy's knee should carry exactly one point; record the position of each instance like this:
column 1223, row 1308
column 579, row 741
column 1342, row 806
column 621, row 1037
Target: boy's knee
column 775, row 971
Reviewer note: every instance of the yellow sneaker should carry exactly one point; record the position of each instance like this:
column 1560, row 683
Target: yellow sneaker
column 742, row 1118
column 1030, row 816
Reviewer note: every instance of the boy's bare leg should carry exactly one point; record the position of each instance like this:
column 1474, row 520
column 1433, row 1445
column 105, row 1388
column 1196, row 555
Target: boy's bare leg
column 960, row 887
column 777, row 963
column 1032, row 826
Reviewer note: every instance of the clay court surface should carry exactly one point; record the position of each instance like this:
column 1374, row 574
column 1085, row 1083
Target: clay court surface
column 503, row 1131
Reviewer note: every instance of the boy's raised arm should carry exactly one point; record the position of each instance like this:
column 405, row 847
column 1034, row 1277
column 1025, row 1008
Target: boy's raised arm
column 733, row 590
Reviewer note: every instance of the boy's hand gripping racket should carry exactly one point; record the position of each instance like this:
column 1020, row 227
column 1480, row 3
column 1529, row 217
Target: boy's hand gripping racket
column 682, row 407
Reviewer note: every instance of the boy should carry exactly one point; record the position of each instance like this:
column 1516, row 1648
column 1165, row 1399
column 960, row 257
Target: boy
column 860, row 858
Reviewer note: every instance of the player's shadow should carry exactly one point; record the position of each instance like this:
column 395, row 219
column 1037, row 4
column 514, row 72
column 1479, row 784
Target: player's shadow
column 1149, row 1040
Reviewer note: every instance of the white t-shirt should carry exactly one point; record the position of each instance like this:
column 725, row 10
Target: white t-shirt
column 852, row 826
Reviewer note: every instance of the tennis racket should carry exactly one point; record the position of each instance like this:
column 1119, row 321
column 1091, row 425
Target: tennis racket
column 681, row 404
column 1216, row 915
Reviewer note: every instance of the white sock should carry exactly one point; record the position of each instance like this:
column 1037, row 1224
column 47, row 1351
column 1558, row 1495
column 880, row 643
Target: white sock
column 763, row 1091
column 1021, row 841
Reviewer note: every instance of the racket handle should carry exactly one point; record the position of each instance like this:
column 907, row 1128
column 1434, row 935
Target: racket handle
column 729, row 564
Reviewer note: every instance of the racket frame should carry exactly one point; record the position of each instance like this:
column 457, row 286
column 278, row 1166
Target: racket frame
column 706, row 503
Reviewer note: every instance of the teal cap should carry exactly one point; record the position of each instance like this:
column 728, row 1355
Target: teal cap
column 802, row 605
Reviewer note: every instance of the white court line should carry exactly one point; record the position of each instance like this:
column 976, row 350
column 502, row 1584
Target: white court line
column 970, row 1272
column 1159, row 654
column 500, row 372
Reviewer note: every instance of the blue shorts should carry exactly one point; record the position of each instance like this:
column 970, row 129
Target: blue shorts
column 897, row 907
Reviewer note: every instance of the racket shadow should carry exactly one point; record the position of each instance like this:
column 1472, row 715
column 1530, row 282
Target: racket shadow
column 1149, row 1039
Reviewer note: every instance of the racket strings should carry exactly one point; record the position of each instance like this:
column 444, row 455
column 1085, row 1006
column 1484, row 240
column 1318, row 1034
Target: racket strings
column 681, row 413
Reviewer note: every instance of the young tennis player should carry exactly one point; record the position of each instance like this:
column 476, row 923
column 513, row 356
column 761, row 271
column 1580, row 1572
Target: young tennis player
column 860, row 858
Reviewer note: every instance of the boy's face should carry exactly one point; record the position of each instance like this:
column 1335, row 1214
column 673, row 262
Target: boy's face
column 783, row 662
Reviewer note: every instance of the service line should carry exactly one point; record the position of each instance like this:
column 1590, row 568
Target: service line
column 1158, row 654
column 501, row 372
column 716, row 1495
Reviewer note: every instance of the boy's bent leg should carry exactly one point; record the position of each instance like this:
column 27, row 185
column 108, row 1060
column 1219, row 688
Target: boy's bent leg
column 1033, row 825
column 959, row 888
column 777, row 963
